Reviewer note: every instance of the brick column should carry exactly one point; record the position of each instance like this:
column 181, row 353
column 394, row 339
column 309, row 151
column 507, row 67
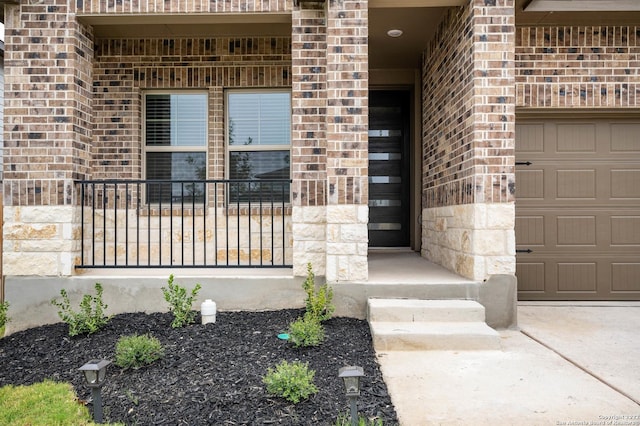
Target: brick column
column 309, row 141
column 469, row 141
column 48, row 86
column 347, row 140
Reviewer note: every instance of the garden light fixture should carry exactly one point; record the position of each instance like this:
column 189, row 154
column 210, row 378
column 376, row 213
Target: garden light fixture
column 95, row 374
column 351, row 376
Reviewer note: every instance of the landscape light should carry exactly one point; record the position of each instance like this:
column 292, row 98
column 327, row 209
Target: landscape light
column 95, row 375
column 351, row 376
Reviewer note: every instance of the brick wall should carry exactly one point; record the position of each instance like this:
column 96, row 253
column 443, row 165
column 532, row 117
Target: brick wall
column 125, row 67
column 468, row 101
column 578, row 67
column 309, row 104
column 330, row 139
column 180, row 6
column 47, row 104
column 468, row 141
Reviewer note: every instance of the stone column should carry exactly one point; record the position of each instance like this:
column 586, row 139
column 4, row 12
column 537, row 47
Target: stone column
column 48, row 87
column 347, row 140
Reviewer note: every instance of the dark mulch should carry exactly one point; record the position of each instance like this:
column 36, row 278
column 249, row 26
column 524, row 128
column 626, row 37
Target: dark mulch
column 211, row 374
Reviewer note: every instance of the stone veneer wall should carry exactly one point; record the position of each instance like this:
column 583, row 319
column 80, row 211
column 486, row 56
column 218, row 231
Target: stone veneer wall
column 468, row 139
column 578, row 67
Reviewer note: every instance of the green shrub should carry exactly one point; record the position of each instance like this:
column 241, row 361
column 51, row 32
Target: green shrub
column 180, row 303
column 91, row 316
column 291, row 381
column 4, row 318
column 137, row 351
column 318, row 302
column 306, row 331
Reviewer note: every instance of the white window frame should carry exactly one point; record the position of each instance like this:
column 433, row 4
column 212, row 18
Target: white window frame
column 173, row 148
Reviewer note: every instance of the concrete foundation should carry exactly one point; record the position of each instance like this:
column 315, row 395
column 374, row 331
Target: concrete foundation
column 391, row 275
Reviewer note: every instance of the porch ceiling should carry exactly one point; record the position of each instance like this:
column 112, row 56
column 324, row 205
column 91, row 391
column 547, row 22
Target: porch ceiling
column 418, row 19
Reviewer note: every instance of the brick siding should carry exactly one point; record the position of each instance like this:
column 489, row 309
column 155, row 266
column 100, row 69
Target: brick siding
column 108, row 7
column 578, row 67
column 47, row 98
column 125, row 67
column 468, row 107
column 347, row 112
column 309, row 104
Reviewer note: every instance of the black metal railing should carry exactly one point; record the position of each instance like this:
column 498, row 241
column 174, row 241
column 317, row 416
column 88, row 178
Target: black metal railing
column 185, row 223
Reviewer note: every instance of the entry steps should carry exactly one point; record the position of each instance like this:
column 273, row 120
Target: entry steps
column 418, row 325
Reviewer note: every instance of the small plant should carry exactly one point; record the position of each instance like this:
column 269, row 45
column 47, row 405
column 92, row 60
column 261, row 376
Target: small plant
column 137, row 351
column 345, row 420
column 318, row 303
column 291, row 381
column 91, row 317
column 180, row 303
column 4, row 318
column 306, row 331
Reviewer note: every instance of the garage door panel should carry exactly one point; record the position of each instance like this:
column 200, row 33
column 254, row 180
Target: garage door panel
column 625, row 277
column 625, row 231
column 556, row 184
column 567, row 277
column 531, row 277
column 576, row 231
column 531, row 230
column 576, row 138
column 576, row 184
column 594, row 231
column 530, row 184
column 530, row 138
column 625, row 138
column 625, row 184
column 578, row 209
column 577, row 277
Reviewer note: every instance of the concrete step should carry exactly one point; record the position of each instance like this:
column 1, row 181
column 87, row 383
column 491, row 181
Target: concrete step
column 413, row 324
column 410, row 336
column 408, row 310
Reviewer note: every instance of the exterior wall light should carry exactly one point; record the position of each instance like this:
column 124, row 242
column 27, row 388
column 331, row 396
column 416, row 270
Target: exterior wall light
column 351, row 376
column 95, row 375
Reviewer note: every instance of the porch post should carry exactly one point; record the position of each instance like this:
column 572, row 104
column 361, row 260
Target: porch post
column 347, row 140
column 47, row 137
column 309, row 140
column 468, row 214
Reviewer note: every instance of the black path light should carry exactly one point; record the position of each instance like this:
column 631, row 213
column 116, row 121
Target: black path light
column 95, row 375
column 351, row 376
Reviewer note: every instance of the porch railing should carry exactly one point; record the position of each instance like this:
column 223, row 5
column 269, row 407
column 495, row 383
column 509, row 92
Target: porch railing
column 185, row 223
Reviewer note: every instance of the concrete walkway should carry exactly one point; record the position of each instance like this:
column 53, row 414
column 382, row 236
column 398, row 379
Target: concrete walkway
column 568, row 364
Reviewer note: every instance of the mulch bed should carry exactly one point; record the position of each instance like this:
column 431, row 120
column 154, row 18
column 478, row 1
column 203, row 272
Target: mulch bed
column 210, row 374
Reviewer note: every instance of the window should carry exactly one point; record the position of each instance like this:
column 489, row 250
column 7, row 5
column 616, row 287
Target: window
column 259, row 143
column 175, row 147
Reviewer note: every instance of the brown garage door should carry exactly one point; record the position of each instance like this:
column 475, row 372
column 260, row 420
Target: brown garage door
column 578, row 209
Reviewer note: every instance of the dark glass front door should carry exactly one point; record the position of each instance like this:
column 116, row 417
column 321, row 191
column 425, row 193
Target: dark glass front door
column 388, row 168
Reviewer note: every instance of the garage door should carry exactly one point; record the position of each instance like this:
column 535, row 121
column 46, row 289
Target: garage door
column 578, row 209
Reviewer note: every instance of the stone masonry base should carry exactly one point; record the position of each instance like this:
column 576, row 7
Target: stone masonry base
column 472, row 240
